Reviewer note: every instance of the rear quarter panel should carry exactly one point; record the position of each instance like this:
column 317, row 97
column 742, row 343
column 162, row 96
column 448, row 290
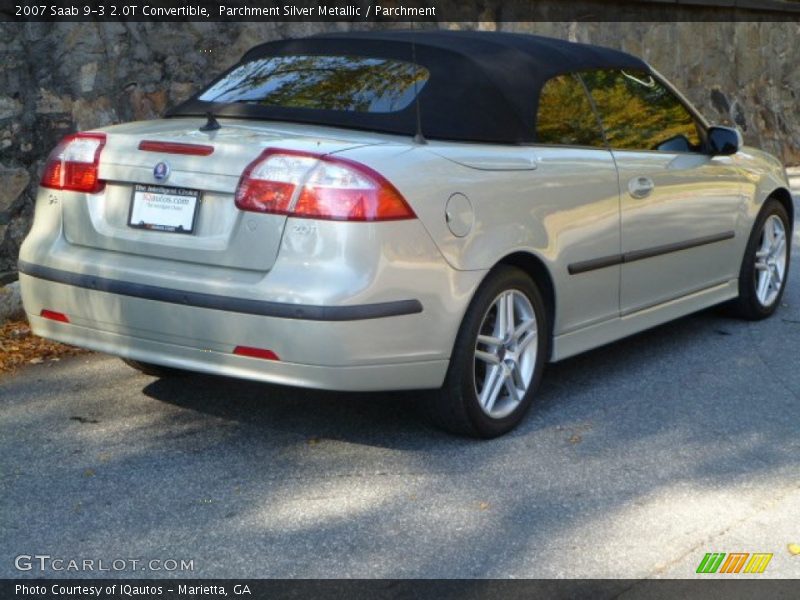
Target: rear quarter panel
column 565, row 210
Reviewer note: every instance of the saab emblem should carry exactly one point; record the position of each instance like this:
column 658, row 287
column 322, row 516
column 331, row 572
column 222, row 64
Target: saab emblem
column 161, row 171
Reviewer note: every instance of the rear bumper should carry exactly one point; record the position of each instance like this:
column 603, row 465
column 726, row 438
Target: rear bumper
column 344, row 352
column 346, row 306
column 363, row 378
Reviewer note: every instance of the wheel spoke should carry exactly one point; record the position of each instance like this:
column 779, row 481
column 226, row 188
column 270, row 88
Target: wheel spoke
column 512, row 314
column 777, row 228
column 511, row 387
column 526, row 341
column 489, row 340
column 769, row 234
column 502, row 317
column 777, row 277
column 491, row 387
column 487, row 357
column 516, row 378
column 764, row 280
column 780, row 249
column 525, row 327
column 506, row 312
column 777, row 243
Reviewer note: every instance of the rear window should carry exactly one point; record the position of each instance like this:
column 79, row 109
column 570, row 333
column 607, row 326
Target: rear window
column 339, row 83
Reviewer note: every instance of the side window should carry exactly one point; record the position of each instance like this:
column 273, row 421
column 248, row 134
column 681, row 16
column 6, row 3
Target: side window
column 639, row 113
column 565, row 115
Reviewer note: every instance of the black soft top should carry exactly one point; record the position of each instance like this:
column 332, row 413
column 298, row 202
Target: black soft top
column 483, row 86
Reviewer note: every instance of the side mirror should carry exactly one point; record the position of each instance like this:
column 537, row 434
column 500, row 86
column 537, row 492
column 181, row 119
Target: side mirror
column 723, row 141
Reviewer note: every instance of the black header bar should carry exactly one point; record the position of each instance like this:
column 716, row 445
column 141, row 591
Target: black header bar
column 380, row 589
column 398, row 11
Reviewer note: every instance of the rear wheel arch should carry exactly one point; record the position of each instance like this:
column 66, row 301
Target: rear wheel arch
column 536, row 269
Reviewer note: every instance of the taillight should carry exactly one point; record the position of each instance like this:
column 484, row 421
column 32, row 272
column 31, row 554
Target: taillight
column 74, row 164
column 268, row 183
column 318, row 187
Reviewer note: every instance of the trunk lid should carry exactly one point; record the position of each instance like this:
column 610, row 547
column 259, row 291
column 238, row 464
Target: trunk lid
column 222, row 234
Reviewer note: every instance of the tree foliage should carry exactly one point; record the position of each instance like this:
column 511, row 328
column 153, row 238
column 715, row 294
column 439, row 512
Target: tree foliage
column 343, row 83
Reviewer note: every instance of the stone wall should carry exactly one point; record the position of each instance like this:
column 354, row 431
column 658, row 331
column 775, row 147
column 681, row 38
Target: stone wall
column 58, row 78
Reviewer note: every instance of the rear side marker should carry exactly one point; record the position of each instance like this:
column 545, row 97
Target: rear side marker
column 176, row 148
column 250, row 352
column 54, row 316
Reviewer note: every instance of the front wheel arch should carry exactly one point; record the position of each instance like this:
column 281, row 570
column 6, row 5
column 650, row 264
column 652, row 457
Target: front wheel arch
column 783, row 196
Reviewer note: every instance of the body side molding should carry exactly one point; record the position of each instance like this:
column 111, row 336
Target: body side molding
column 629, row 257
column 225, row 303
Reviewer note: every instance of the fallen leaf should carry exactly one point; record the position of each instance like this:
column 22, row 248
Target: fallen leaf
column 483, row 505
column 19, row 347
column 88, row 473
column 575, row 439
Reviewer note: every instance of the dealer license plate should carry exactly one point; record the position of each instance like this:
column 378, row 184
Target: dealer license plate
column 164, row 208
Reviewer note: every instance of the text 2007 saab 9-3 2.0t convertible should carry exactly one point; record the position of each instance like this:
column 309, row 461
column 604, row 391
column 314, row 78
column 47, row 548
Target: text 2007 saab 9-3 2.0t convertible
column 395, row 210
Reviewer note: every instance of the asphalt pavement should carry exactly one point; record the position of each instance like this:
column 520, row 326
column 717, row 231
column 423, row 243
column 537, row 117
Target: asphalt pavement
column 636, row 460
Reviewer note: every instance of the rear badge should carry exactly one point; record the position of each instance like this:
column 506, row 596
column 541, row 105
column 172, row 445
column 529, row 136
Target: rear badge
column 161, row 171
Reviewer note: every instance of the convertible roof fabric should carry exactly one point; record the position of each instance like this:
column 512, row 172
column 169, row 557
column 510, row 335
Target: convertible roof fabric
column 483, row 86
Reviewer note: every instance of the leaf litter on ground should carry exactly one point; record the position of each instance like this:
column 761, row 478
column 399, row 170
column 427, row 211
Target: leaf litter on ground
column 19, row 347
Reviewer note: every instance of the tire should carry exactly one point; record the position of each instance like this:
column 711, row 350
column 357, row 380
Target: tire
column 154, row 370
column 765, row 260
column 512, row 367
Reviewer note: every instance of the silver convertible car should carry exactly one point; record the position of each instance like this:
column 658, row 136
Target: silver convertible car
column 404, row 210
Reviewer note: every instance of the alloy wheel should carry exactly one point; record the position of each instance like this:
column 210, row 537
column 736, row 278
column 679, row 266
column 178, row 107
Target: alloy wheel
column 505, row 354
column 770, row 263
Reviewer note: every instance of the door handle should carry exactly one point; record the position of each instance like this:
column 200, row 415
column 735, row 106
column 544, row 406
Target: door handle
column 641, row 187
